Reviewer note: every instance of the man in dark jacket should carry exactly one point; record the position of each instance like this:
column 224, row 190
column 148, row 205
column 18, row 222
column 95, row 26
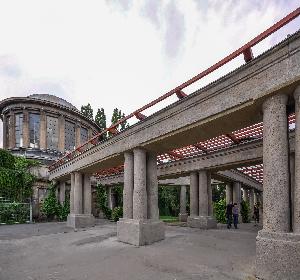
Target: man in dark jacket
column 229, row 214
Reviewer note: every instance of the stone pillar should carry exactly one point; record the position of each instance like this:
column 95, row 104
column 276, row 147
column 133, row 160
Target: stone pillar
column 277, row 249
column 144, row 227
column 111, row 198
column 209, row 193
column 12, row 131
column 26, row 138
column 77, row 135
column 296, row 180
column 4, row 131
column 229, row 198
column 251, row 202
column 152, row 187
column 183, row 214
column 292, row 178
column 139, row 191
column 82, row 199
column 128, row 186
column 204, row 219
column 237, row 197
column 78, row 193
column 194, row 194
column 61, row 133
column 43, row 131
column 62, row 192
column 72, row 194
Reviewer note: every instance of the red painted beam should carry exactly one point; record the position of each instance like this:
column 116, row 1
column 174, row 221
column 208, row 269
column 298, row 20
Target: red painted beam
column 248, row 55
column 180, row 94
column 140, row 116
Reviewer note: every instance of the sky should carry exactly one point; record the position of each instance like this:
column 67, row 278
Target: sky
column 125, row 53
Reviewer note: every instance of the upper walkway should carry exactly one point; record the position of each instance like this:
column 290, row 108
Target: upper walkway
column 228, row 104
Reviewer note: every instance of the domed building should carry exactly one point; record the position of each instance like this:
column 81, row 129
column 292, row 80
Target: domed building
column 43, row 127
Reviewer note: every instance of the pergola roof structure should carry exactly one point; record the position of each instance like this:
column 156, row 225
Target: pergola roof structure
column 237, row 137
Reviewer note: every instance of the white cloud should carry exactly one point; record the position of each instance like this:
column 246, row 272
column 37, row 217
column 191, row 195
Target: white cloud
column 123, row 53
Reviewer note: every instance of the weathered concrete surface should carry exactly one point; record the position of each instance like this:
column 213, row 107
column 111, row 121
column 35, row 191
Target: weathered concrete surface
column 202, row 222
column 140, row 232
column 278, row 256
column 80, row 220
column 203, row 114
column 93, row 254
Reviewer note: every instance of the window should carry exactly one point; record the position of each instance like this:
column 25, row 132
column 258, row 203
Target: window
column 83, row 135
column 69, row 136
column 52, row 133
column 34, row 130
column 19, row 130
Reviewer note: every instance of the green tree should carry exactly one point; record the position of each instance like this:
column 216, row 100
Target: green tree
column 220, row 211
column 87, row 111
column 16, row 181
column 169, row 201
column 245, row 212
column 100, row 120
column 116, row 116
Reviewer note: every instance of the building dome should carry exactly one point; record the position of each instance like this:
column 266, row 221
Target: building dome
column 53, row 99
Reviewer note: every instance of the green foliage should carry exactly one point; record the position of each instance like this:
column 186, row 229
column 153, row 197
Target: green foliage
column 219, row 192
column 117, row 213
column 245, row 212
column 50, row 206
column 169, row 201
column 16, row 181
column 52, row 209
column 87, row 111
column 116, row 116
column 100, row 120
column 169, row 219
column 220, row 211
column 102, row 201
column 118, row 190
column 14, row 212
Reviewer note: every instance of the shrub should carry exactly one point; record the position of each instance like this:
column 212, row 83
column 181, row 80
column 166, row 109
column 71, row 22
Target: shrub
column 245, row 211
column 220, row 211
column 14, row 212
column 63, row 210
column 102, row 201
column 50, row 206
column 117, row 213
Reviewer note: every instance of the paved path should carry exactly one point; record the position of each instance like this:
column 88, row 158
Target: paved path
column 51, row 251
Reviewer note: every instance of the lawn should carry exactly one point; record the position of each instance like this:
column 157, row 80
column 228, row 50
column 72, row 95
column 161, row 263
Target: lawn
column 169, row 219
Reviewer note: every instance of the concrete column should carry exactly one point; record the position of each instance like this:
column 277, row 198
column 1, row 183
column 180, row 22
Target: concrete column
column 140, row 189
column 152, row 187
column 72, row 193
column 87, row 194
column 61, row 133
column 194, row 194
column 296, row 180
column 209, row 194
column 43, row 131
column 229, row 198
column 237, row 193
column 77, row 135
column 292, row 178
column 4, row 131
column 12, row 132
column 78, row 193
column 275, row 160
column 128, row 186
column 62, row 192
column 26, row 139
column 245, row 195
column 277, row 249
column 203, row 193
column 251, row 202
column 183, row 214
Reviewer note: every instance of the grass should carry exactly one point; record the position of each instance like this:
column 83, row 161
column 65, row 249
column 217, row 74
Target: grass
column 169, row 219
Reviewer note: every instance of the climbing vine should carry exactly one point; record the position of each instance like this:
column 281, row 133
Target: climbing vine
column 16, row 181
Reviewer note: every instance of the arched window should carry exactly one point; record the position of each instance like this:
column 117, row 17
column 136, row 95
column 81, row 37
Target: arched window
column 34, row 130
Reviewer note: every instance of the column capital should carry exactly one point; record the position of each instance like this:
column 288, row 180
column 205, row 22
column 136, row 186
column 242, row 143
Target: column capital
column 278, row 99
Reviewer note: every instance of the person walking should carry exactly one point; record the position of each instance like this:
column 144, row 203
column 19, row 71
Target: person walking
column 229, row 214
column 235, row 212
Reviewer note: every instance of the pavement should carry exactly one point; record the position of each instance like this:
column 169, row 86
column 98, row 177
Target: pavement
column 51, row 251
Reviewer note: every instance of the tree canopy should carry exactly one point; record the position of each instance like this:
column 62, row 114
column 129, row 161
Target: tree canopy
column 87, row 111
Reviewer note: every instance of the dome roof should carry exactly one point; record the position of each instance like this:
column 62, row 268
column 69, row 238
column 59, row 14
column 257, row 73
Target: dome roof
column 53, row 99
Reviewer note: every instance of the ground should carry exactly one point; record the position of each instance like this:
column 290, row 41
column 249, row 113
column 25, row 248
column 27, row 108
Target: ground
column 51, row 251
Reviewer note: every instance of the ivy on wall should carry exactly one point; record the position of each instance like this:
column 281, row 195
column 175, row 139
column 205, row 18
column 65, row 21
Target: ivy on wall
column 16, row 181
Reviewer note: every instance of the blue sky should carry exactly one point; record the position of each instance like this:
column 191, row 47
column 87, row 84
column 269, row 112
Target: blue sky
column 125, row 53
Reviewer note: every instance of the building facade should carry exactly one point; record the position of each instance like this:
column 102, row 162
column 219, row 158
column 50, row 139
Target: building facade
column 43, row 127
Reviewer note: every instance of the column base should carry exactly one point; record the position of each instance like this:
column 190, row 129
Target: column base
column 277, row 256
column 80, row 220
column 203, row 222
column 140, row 232
column 182, row 217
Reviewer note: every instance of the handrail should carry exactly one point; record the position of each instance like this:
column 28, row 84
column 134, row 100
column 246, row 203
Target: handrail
column 245, row 49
